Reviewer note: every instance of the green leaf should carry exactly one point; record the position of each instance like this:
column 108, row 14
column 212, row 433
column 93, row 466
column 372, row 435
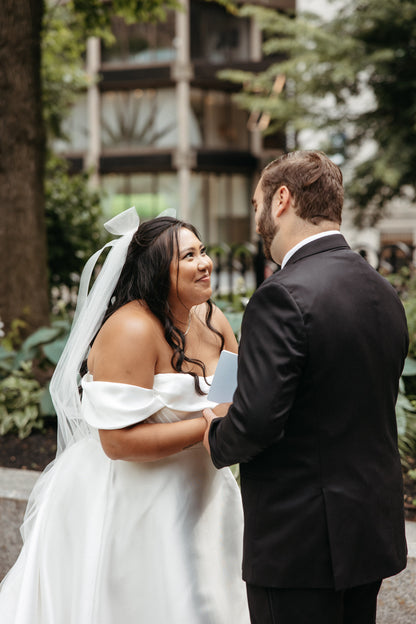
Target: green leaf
column 409, row 367
column 412, row 474
column 53, row 351
column 22, row 357
column 234, row 318
column 6, row 353
column 6, row 360
column 47, row 407
column 41, row 336
column 63, row 324
column 366, row 49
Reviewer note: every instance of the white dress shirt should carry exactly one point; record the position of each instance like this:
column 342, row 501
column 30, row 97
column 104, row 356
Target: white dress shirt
column 303, row 242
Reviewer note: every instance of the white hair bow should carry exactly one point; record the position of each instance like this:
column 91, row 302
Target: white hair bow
column 124, row 225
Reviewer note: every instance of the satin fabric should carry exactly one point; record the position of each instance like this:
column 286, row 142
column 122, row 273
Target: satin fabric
column 139, row 543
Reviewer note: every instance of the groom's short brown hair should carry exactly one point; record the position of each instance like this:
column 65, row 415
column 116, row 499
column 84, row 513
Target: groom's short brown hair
column 314, row 181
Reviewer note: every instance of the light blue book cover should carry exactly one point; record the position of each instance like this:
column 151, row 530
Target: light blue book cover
column 225, row 378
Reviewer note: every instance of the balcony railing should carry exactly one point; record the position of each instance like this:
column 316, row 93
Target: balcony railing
column 239, row 269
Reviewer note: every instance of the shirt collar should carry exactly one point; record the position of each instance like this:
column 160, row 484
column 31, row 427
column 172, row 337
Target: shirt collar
column 305, row 241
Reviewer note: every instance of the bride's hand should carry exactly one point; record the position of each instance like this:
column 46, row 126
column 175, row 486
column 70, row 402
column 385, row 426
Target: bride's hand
column 209, row 414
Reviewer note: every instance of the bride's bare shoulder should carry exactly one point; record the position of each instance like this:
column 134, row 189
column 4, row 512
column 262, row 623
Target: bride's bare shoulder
column 132, row 320
column 126, row 347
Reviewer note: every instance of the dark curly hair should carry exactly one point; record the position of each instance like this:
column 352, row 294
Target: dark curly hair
column 145, row 275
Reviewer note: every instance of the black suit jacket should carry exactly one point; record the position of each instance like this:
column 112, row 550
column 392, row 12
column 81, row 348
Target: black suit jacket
column 313, row 423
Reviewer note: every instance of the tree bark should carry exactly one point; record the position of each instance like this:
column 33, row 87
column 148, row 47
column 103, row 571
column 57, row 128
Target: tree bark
column 23, row 258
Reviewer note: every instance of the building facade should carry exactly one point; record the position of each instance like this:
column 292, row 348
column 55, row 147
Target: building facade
column 160, row 129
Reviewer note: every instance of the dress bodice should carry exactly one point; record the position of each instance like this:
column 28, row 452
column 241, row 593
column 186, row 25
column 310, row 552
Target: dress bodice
column 110, row 405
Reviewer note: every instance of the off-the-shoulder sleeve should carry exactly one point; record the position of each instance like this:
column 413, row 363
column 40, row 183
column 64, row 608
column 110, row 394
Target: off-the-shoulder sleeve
column 108, row 405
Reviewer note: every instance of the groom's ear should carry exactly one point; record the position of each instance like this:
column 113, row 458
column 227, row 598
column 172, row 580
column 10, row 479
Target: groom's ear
column 281, row 201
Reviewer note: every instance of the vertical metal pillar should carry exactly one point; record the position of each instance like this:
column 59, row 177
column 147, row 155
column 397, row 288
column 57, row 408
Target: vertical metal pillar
column 182, row 75
column 92, row 157
column 256, row 142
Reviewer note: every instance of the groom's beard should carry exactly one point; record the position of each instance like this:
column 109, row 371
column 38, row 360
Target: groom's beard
column 267, row 229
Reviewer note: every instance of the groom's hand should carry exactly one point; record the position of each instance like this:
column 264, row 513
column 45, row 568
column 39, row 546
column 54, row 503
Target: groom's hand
column 219, row 411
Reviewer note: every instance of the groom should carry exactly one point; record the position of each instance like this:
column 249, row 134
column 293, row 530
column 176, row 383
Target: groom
column 312, row 422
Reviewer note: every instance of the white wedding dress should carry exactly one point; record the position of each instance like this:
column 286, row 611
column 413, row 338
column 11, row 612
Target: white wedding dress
column 118, row 542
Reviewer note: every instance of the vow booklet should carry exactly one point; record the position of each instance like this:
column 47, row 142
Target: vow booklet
column 225, row 378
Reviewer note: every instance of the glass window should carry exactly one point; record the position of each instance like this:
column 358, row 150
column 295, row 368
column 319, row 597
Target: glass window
column 221, row 206
column 220, row 210
column 140, row 118
column 217, row 36
column 141, row 43
column 149, row 193
column 75, row 128
column 137, row 118
column 221, row 123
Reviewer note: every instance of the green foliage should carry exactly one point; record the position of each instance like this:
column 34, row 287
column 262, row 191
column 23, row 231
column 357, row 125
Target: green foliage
column 73, row 222
column 351, row 76
column 13, row 337
column 72, row 208
column 234, row 302
column 73, row 211
column 25, row 370
column 96, row 15
column 233, row 306
column 405, row 284
column 406, row 424
column 66, row 28
column 63, row 73
column 20, row 396
column 45, row 345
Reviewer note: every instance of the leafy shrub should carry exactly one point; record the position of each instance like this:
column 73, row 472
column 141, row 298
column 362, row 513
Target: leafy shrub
column 20, row 397
column 233, row 306
column 406, row 427
column 405, row 284
column 73, row 214
column 25, row 371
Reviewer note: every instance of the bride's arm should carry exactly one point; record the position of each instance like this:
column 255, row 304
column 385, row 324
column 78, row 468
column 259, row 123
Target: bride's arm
column 126, row 351
column 147, row 442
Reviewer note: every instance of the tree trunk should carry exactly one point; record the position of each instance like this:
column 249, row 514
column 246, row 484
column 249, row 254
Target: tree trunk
column 23, row 258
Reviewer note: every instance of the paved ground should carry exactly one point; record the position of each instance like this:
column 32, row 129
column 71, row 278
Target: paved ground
column 397, row 598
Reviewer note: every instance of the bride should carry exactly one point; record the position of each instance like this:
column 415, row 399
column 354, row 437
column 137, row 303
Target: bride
column 132, row 523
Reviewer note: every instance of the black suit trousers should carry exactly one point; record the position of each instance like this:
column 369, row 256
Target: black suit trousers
column 356, row 605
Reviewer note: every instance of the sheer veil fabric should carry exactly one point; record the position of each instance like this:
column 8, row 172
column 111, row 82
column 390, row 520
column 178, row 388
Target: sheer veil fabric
column 88, row 317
